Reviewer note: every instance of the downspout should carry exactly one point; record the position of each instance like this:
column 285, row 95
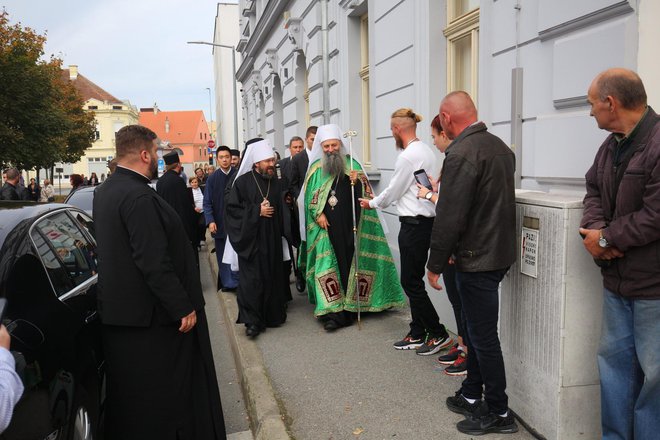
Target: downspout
column 517, row 104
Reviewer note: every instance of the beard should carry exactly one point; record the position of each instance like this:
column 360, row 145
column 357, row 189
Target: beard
column 267, row 172
column 333, row 164
column 153, row 168
column 398, row 142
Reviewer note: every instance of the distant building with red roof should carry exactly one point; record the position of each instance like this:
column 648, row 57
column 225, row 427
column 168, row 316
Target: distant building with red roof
column 185, row 131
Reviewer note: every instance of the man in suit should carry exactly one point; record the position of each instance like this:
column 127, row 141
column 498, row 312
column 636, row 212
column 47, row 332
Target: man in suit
column 299, row 164
column 296, row 145
column 173, row 190
column 214, row 211
column 160, row 372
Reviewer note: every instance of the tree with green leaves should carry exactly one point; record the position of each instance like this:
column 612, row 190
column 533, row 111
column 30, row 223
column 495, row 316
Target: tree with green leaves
column 42, row 120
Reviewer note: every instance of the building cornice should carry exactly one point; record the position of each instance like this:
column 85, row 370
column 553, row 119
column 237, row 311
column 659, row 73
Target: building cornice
column 259, row 35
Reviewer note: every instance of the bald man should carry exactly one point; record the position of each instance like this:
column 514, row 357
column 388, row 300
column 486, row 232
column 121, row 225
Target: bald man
column 475, row 225
column 621, row 231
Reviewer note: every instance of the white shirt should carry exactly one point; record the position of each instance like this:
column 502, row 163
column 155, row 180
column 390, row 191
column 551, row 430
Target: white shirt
column 198, row 196
column 402, row 188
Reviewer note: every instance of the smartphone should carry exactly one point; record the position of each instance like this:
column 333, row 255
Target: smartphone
column 423, row 179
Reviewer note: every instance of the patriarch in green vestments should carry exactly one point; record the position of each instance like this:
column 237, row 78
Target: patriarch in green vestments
column 329, row 257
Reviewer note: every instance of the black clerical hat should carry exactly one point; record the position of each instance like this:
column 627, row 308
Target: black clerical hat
column 171, row 158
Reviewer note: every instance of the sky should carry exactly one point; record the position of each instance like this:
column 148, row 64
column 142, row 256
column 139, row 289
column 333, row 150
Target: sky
column 133, row 49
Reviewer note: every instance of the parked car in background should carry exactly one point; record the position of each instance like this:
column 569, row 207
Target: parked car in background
column 48, row 276
column 82, row 198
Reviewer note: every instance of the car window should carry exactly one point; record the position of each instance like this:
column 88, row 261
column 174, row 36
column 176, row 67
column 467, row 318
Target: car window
column 86, row 222
column 73, row 251
column 56, row 272
column 82, row 199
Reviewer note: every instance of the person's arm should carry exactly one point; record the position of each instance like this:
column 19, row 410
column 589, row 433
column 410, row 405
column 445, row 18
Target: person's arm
column 399, row 184
column 454, row 203
column 149, row 246
column 11, row 387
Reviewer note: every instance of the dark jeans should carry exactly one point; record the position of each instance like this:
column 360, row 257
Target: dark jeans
column 485, row 365
column 414, row 242
column 449, row 277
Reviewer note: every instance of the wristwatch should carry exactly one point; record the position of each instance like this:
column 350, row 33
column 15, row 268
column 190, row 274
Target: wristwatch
column 428, row 195
column 602, row 242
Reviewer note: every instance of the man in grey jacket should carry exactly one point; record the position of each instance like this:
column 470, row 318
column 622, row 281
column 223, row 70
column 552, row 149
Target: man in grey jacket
column 475, row 225
column 621, row 230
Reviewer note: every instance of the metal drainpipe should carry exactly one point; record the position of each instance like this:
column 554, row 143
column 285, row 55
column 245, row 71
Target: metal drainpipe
column 326, row 62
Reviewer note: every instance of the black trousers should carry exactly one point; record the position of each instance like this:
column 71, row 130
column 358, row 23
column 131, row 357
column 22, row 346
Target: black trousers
column 449, row 277
column 485, row 364
column 414, row 243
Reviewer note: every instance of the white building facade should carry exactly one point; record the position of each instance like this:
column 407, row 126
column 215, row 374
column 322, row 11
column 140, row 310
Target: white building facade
column 527, row 63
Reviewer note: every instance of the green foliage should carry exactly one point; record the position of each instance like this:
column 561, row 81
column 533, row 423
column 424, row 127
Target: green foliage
column 42, row 120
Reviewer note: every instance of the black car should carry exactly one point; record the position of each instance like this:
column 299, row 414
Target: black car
column 48, row 276
column 82, row 198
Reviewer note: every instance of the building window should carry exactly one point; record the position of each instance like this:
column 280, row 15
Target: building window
column 117, row 107
column 200, row 137
column 364, row 75
column 92, row 107
column 462, row 33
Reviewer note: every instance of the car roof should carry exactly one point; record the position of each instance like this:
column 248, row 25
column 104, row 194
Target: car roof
column 14, row 212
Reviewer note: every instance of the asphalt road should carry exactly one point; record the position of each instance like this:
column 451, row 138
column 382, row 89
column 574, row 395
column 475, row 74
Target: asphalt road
column 351, row 384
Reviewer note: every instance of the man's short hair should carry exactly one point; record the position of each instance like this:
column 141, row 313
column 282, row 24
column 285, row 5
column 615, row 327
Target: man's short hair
column 12, row 173
column 311, row 130
column 296, row 138
column 132, row 139
column 223, row 148
column 627, row 88
column 199, row 168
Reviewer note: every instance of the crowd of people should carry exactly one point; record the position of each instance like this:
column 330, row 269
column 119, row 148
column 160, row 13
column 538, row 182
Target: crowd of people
column 316, row 212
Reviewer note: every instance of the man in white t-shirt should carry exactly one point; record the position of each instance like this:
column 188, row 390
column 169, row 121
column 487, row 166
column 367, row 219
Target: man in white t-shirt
column 427, row 335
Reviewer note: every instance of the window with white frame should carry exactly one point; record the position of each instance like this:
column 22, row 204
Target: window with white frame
column 462, row 34
column 364, row 75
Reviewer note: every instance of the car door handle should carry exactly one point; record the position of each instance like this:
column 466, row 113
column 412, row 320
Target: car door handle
column 91, row 315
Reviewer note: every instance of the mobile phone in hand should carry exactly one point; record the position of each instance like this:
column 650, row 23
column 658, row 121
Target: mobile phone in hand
column 3, row 307
column 423, row 179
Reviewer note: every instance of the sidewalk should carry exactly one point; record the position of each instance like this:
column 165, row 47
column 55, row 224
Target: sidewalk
column 350, row 384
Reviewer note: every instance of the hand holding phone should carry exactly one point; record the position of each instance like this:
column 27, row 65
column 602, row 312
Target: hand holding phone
column 423, row 179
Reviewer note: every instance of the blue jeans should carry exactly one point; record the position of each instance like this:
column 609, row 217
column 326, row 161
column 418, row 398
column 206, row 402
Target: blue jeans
column 629, row 365
column 485, row 364
column 227, row 277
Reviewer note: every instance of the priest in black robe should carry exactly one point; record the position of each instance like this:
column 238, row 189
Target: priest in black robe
column 172, row 188
column 254, row 226
column 161, row 381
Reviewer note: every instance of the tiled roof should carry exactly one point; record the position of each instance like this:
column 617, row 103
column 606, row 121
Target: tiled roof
column 88, row 89
column 184, row 126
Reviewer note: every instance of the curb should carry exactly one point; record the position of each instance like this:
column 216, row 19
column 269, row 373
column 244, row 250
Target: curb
column 266, row 419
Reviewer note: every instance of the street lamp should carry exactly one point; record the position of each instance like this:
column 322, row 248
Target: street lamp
column 211, row 111
column 233, row 68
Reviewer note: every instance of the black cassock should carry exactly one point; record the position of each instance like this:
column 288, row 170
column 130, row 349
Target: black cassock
column 174, row 191
column 263, row 287
column 161, row 383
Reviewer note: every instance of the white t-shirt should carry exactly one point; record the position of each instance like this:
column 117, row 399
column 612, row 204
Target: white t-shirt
column 198, row 196
column 402, row 188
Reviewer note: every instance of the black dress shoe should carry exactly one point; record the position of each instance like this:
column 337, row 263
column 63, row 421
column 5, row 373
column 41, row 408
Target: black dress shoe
column 330, row 325
column 252, row 331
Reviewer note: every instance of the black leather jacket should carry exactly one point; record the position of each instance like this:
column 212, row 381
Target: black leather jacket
column 476, row 210
column 9, row 192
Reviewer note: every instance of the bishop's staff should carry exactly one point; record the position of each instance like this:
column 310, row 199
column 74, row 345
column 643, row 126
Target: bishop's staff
column 350, row 135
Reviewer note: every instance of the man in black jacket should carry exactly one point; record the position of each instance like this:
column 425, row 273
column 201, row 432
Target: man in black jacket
column 11, row 190
column 475, row 225
column 299, row 164
column 160, row 372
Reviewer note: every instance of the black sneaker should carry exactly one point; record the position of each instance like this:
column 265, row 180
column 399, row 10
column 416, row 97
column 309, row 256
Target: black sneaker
column 409, row 343
column 450, row 357
column 460, row 405
column 434, row 344
column 488, row 424
column 459, row 367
